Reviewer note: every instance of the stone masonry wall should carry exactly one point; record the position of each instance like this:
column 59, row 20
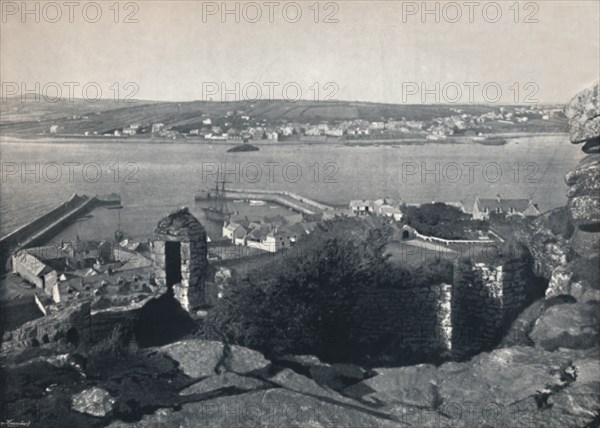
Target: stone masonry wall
column 484, row 303
column 180, row 226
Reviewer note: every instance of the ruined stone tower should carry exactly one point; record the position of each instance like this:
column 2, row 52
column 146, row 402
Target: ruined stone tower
column 180, row 257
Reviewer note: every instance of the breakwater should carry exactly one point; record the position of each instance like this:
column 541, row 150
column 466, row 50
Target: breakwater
column 47, row 225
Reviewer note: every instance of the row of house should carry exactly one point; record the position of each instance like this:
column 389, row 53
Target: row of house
column 270, row 234
column 385, row 207
column 55, row 268
column 482, row 208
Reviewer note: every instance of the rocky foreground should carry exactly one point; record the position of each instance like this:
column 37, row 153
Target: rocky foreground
column 552, row 382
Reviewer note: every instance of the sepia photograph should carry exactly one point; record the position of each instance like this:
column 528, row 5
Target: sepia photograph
column 309, row 214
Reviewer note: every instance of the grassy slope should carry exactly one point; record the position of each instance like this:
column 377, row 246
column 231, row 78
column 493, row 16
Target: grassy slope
column 30, row 118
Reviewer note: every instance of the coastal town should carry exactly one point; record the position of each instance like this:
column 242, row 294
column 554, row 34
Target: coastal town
column 122, row 271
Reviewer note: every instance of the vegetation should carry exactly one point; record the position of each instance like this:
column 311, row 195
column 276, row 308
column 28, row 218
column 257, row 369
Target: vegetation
column 443, row 221
column 311, row 296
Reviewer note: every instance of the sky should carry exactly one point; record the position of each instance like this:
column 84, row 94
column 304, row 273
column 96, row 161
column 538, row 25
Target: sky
column 379, row 51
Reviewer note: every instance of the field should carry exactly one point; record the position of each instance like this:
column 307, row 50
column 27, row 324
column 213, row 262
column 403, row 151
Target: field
column 29, row 118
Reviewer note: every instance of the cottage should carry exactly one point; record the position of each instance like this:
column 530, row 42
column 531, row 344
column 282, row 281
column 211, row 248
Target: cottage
column 33, row 270
column 235, row 232
column 482, row 208
column 362, row 207
column 157, row 127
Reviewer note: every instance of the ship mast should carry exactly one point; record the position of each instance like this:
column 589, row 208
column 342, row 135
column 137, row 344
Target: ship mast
column 220, row 201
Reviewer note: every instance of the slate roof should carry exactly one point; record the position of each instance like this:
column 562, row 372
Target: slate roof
column 505, row 205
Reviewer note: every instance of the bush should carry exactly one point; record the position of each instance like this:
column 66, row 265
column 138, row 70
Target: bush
column 307, row 302
column 443, row 221
column 117, row 346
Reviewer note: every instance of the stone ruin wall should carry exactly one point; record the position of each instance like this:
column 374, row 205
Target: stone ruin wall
column 190, row 291
column 180, row 226
column 484, row 309
column 447, row 319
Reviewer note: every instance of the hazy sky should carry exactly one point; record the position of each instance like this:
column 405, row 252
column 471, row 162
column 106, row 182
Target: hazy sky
column 375, row 52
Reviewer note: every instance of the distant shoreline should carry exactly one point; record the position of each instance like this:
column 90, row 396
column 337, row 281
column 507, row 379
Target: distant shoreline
column 230, row 143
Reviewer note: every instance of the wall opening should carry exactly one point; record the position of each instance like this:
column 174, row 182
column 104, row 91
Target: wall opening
column 173, row 262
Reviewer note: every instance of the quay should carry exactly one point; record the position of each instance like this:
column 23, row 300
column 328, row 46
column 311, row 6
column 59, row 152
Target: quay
column 47, row 225
column 295, row 202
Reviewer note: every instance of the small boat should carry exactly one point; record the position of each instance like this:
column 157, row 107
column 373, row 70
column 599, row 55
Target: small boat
column 114, row 207
column 256, row 203
column 85, row 217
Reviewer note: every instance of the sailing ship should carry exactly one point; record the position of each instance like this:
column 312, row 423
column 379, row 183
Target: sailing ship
column 119, row 234
column 217, row 211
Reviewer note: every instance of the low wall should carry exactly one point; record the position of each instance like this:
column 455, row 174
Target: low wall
column 453, row 241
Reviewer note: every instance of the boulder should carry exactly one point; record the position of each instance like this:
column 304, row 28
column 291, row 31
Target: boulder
column 411, row 386
column 583, row 113
column 518, row 333
column 586, row 243
column 585, row 179
column 508, row 387
column 94, row 401
column 585, row 209
column 572, row 325
column 591, row 295
column 560, row 282
column 514, row 386
column 244, row 360
column 196, row 358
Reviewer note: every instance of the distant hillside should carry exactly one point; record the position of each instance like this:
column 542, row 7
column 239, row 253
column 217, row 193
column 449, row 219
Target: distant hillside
column 79, row 116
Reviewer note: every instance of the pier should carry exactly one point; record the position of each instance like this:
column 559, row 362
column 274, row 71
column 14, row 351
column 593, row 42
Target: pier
column 47, row 225
column 290, row 200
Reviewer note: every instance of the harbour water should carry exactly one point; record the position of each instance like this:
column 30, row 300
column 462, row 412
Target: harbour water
column 154, row 178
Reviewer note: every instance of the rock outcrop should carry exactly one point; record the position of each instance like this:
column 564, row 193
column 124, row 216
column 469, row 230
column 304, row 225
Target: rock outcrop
column 571, row 261
column 584, row 195
column 573, row 325
column 94, row 402
column 583, row 113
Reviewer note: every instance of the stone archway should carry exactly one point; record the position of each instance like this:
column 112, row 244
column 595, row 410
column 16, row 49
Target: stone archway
column 179, row 253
